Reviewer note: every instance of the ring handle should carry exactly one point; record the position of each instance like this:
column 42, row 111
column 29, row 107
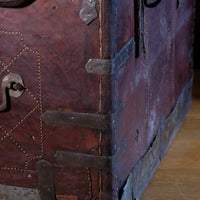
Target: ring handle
column 151, row 5
column 12, row 85
column 12, row 3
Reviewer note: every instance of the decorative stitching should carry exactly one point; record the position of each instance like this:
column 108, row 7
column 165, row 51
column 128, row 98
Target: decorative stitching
column 22, row 120
column 3, row 64
column 18, row 55
column 18, row 146
column 31, row 159
column 41, row 111
column 31, row 94
column 14, row 33
column 8, row 134
column 12, row 61
column 22, row 40
column 12, row 169
column 17, row 125
column 89, row 183
column 38, row 102
column 3, row 129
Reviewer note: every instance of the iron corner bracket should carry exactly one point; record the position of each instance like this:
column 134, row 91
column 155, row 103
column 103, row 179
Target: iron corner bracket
column 111, row 66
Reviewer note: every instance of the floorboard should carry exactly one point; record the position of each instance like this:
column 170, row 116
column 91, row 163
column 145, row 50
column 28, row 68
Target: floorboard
column 178, row 175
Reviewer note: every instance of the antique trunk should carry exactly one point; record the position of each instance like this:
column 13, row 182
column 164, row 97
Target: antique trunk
column 93, row 92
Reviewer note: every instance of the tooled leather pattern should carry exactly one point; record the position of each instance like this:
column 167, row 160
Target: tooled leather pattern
column 18, row 145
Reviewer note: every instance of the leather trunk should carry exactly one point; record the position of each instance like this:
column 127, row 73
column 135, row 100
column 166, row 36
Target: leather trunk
column 104, row 86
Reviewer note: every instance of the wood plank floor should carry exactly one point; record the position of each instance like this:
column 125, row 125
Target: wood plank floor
column 178, row 175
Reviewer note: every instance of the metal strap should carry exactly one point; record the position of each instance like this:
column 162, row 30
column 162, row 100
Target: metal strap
column 82, row 160
column 111, row 66
column 45, row 180
column 84, row 120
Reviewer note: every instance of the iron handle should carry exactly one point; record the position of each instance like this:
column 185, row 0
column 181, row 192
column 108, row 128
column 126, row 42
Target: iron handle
column 151, row 5
column 12, row 85
column 12, row 3
column 179, row 3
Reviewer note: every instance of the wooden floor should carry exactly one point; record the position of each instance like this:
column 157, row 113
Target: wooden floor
column 178, row 175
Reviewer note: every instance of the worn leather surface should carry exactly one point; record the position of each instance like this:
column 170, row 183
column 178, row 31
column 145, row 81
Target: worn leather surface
column 151, row 84
column 48, row 45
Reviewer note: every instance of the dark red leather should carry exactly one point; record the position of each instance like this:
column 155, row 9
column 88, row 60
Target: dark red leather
column 48, row 45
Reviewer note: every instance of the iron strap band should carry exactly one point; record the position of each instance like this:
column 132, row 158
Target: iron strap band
column 82, row 160
column 111, row 66
column 45, row 180
column 84, row 120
